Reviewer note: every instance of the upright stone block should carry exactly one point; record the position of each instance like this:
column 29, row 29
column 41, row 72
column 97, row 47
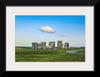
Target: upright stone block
column 43, row 45
column 67, row 45
column 60, row 45
column 51, row 45
column 39, row 46
column 34, row 46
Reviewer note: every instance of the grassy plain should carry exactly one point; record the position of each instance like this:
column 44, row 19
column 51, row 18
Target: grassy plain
column 48, row 55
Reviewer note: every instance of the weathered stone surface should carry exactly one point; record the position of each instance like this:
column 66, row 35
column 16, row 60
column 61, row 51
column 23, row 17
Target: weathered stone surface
column 60, row 45
column 43, row 45
column 39, row 46
column 51, row 45
column 34, row 46
column 66, row 45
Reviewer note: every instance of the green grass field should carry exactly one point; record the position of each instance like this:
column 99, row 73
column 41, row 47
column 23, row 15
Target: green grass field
column 31, row 55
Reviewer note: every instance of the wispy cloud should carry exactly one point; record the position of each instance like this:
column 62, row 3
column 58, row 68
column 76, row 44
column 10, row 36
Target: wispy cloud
column 47, row 29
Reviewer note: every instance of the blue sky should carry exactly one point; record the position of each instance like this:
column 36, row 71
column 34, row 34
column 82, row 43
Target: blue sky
column 46, row 28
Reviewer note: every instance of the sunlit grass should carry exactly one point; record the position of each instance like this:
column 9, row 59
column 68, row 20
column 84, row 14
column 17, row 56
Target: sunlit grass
column 47, row 55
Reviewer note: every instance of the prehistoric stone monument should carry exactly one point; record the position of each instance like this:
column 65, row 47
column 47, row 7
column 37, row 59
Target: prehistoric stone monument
column 67, row 45
column 60, row 45
column 51, row 45
column 39, row 46
column 43, row 45
column 34, row 45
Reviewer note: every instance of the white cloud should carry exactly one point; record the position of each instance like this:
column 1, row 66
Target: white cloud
column 47, row 29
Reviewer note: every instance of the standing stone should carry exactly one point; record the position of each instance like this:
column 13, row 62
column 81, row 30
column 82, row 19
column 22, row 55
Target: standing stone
column 51, row 45
column 34, row 45
column 39, row 46
column 60, row 45
column 43, row 45
column 67, row 45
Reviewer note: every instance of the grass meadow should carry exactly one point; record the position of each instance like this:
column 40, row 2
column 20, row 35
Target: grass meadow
column 48, row 55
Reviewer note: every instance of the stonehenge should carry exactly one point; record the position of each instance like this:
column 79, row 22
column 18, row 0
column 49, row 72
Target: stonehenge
column 42, row 45
column 67, row 45
column 51, row 45
column 34, row 45
column 60, row 45
column 39, row 46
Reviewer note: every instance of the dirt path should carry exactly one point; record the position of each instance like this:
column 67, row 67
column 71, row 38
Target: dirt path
column 74, row 52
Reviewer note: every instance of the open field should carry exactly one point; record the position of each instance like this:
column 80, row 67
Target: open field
column 48, row 55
